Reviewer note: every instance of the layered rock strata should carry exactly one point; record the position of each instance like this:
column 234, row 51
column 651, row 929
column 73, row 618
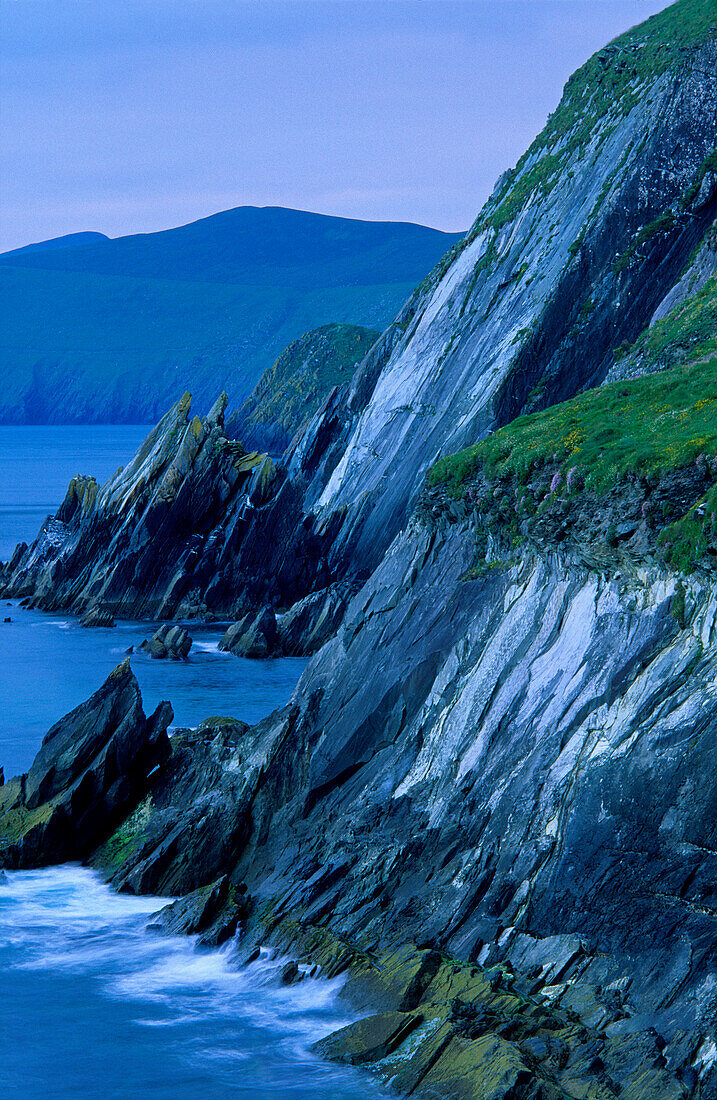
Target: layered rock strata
column 514, row 770
column 571, row 256
column 93, row 767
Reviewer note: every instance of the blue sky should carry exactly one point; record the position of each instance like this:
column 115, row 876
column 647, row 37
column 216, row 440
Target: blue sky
column 134, row 115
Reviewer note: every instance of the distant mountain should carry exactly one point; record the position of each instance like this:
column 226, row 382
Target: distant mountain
column 288, row 394
column 70, row 240
column 99, row 330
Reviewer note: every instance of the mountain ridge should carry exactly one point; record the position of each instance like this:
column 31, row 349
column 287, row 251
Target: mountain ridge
column 490, row 800
column 101, row 331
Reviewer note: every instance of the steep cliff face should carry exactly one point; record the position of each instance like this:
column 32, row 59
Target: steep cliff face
column 514, row 769
column 569, row 258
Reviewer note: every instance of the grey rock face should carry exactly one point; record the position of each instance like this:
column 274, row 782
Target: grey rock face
column 91, row 770
column 311, row 622
column 535, row 305
column 169, row 641
column 254, row 635
column 517, row 769
column 186, row 835
column 95, row 616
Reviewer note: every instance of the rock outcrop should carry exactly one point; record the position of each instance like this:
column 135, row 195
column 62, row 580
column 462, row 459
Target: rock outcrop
column 571, row 257
column 92, row 768
column 95, row 616
column 254, row 635
column 311, row 622
column 169, row 641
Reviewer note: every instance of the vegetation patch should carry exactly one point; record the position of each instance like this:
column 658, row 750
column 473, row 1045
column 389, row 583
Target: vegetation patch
column 688, row 334
column 606, row 88
column 291, row 390
column 125, row 839
column 647, row 447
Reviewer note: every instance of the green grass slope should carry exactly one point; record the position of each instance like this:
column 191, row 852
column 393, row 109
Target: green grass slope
column 112, row 330
column 291, row 390
column 629, row 455
column 636, row 457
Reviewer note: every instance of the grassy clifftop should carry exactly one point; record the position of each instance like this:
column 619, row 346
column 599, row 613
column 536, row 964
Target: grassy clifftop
column 599, row 94
column 631, row 461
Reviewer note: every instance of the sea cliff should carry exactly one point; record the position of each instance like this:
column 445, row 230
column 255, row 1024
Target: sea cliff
column 491, row 797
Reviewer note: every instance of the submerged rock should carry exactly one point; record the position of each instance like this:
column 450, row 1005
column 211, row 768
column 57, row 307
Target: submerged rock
column 91, row 770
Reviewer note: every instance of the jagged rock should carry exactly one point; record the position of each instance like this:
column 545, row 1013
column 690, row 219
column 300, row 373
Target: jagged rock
column 290, row 974
column 79, row 498
column 198, row 817
column 505, row 782
column 369, row 1039
column 97, row 616
column 168, row 642
column 254, row 635
column 306, row 626
column 91, row 770
column 196, row 911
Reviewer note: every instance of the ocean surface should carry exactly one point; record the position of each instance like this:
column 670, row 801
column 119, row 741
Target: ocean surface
column 37, row 464
column 93, row 1003
column 49, row 664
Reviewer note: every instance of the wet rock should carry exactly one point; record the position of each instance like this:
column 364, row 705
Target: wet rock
column 254, row 635
column 91, row 770
column 212, row 912
column 169, row 641
column 196, row 911
column 290, row 974
column 369, row 1039
column 186, row 835
column 97, row 616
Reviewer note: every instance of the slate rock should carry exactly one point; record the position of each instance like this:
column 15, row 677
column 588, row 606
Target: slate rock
column 92, row 768
column 254, row 635
column 169, row 641
column 96, row 616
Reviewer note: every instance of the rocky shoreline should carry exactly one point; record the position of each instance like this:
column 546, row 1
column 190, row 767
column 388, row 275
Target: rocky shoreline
column 479, row 928
column 491, row 799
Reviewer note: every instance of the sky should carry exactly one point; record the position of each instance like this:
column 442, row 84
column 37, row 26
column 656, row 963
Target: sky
column 128, row 116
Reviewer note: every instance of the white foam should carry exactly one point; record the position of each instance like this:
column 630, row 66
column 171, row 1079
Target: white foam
column 66, row 919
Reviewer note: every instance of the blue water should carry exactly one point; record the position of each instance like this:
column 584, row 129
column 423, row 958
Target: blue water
column 92, row 1003
column 49, row 664
column 37, row 464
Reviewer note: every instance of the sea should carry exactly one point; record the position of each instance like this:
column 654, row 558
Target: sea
column 93, row 1001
